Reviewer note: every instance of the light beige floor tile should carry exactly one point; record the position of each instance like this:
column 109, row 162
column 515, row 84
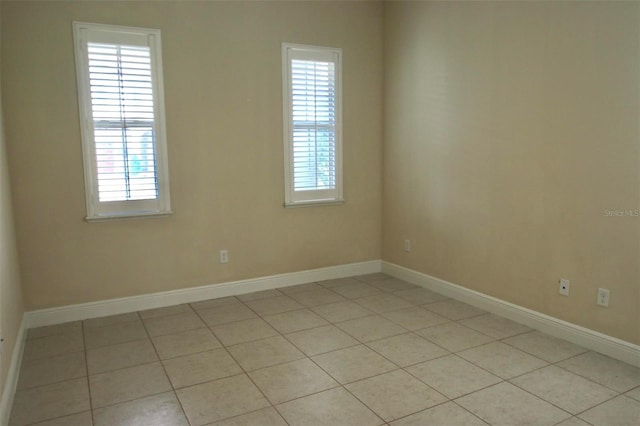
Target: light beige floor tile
column 294, row 379
column 215, row 303
column 226, row 314
column 243, row 331
column 168, row 310
column 634, row 393
column 341, row 311
column 354, row 363
column 127, row 384
column 45, row 371
column 264, row 353
column 80, row 419
column 161, row 326
column 454, row 337
column 201, row 367
column 543, row 346
column 157, row 410
column 49, row 402
column 573, row 421
column 384, row 302
column 321, row 339
column 454, row 310
column 274, row 305
column 122, row 355
column 376, row 276
column 185, row 343
column 50, row 346
column 355, row 290
column 505, row 404
column 392, row 284
column 257, row 295
column 338, row 282
column 114, row 334
column 288, row 322
column 300, row 288
column 566, row 390
column 111, row 320
column 609, row 372
column 407, row 349
column 220, row 399
column 334, row 407
column 445, row 414
column 452, row 376
column 395, row 394
column 264, row 417
column 414, row 318
column 321, row 296
column 502, row 360
column 495, row 326
column 370, row 328
column 420, row 296
column 620, row 411
column 55, row 330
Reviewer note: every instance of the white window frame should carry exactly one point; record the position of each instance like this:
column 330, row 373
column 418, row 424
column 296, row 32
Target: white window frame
column 316, row 196
column 106, row 210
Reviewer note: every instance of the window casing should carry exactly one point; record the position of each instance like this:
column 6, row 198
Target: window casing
column 121, row 105
column 312, row 98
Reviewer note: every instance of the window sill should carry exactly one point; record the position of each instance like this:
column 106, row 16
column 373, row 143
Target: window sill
column 128, row 216
column 314, row 203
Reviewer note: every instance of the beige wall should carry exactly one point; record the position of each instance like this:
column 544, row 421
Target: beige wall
column 222, row 75
column 510, row 128
column 11, row 306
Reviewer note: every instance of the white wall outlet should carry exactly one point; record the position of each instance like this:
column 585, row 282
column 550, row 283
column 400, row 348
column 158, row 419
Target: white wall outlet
column 407, row 245
column 563, row 289
column 603, row 297
column 224, row 256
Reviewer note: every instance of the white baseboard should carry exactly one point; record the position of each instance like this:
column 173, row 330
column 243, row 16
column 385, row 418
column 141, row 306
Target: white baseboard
column 194, row 294
column 599, row 342
column 11, row 383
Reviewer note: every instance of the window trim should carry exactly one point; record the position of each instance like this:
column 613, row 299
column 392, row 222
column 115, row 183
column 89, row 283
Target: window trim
column 310, row 197
column 84, row 32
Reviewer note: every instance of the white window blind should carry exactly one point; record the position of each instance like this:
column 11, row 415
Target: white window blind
column 120, row 88
column 312, row 124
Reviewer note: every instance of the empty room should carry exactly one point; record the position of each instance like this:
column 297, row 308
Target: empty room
column 319, row 213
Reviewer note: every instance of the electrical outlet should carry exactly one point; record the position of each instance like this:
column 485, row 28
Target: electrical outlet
column 563, row 289
column 407, row 245
column 603, row 297
column 224, row 256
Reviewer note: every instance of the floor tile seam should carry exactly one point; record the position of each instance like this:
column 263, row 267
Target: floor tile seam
column 85, row 328
column 500, row 380
column 114, row 344
column 26, row 363
column 86, row 366
column 335, row 385
column 321, row 353
column 262, row 298
column 523, row 351
column 395, row 419
column 210, row 326
column 545, row 400
column 602, row 403
column 57, row 335
column 57, row 382
column 191, row 309
column 244, row 414
column 94, row 409
column 303, row 329
column 504, row 340
column 492, row 372
column 197, row 352
column 588, row 378
column 61, row 417
column 164, row 370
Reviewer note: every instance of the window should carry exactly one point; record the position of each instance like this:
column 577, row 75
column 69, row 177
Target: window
column 312, row 124
column 119, row 72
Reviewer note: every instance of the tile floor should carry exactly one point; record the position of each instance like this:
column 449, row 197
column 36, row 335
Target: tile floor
column 367, row 350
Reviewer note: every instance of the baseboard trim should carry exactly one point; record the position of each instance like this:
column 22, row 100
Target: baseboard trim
column 10, row 385
column 590, row 339
column 194, row 294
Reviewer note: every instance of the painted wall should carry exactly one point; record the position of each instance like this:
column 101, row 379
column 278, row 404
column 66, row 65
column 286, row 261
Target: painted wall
column 11, row 306
column 223, row 93
column 510, row 129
